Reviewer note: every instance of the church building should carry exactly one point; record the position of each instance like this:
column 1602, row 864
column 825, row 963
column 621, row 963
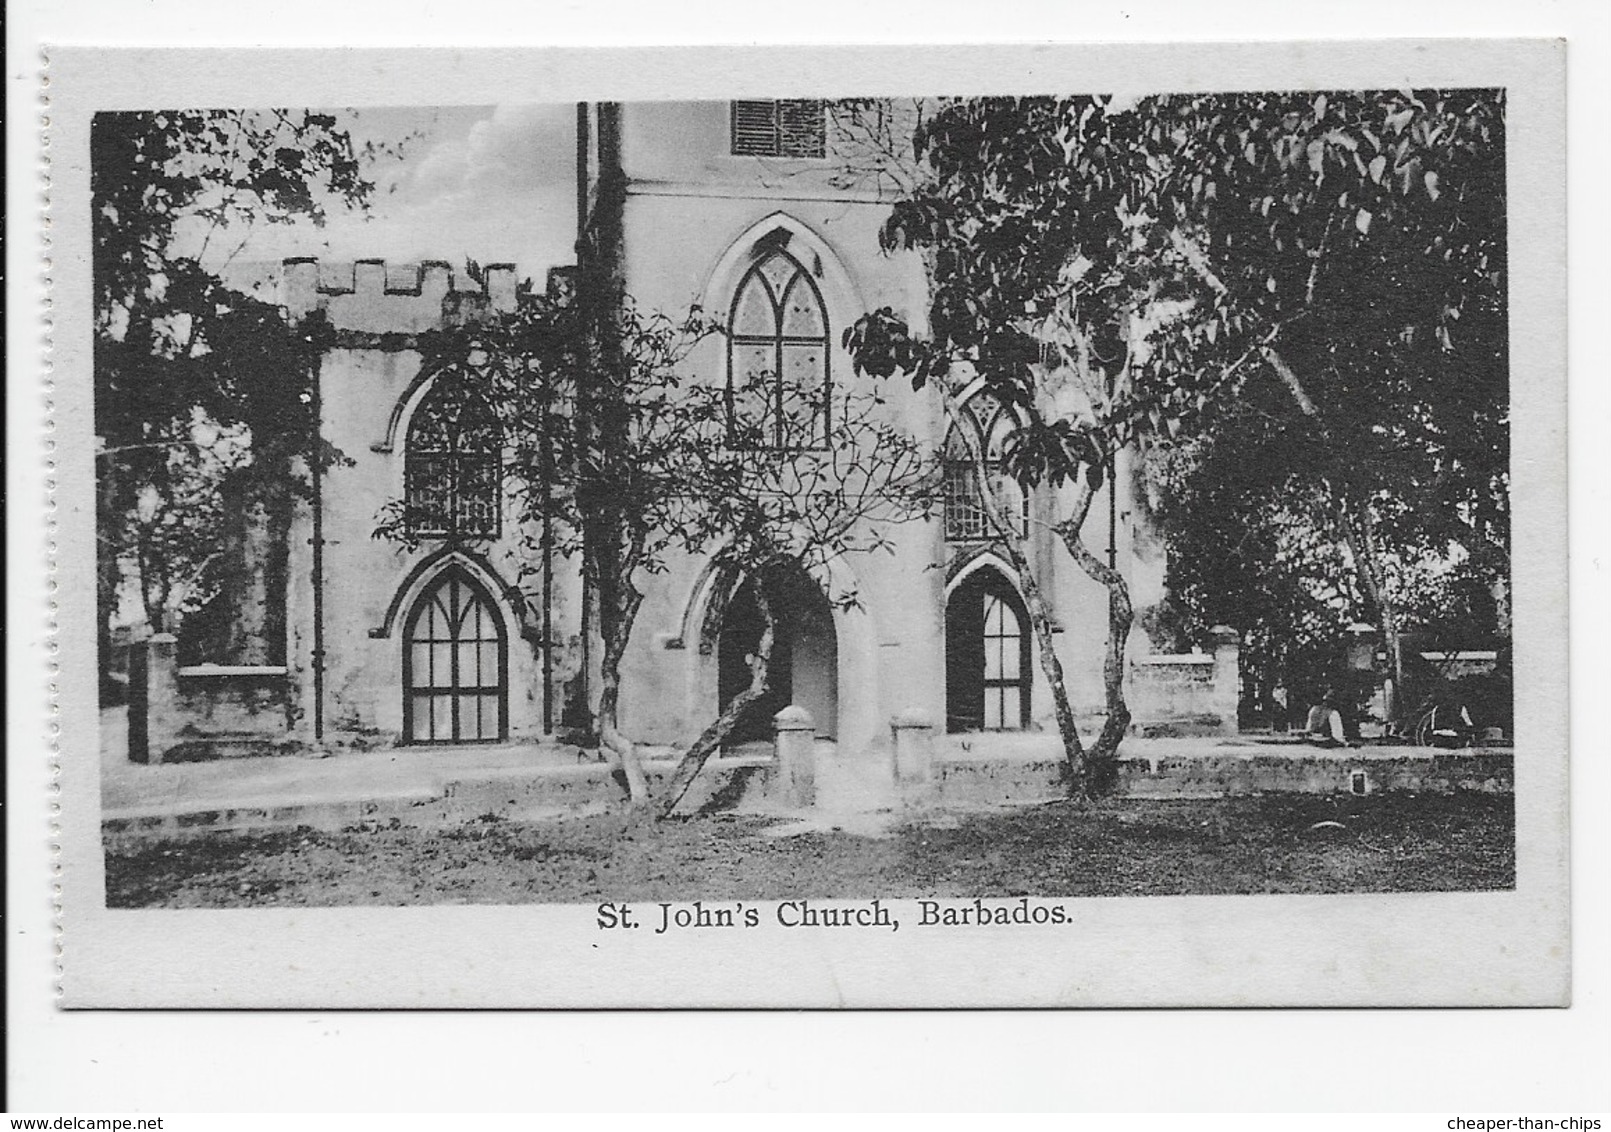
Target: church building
column 466, row 636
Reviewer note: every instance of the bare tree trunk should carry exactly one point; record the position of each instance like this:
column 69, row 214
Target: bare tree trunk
column 711, row 739
column 1121, row 614
column 151, row 597
column 256, row 551
column 1074, row 762
column 601, row 433
column 107, row 574
column 1361, row 544
column 611, row 739
column 1373, row 574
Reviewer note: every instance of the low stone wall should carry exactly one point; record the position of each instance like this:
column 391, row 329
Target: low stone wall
column 722, row 784
column 1462, row 665
column 757, row 784
column 516, row 794
column 183, row 714
column 1006, row 780
column 1187, row 693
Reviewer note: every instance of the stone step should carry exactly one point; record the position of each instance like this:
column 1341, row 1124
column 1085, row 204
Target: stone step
column 516, row 794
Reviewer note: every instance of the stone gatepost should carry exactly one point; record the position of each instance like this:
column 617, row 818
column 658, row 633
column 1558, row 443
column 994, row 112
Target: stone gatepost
column 154, row 711
column 1363, row 684
column 1227, row 676
column 914, row 754
column 795, row 744
column 1361, row 654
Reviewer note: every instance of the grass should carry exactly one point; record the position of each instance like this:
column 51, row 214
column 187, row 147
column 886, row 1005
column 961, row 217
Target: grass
column 1120, row 847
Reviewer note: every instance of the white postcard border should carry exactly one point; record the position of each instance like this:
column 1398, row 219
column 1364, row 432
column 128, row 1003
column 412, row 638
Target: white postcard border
column 1425, row 949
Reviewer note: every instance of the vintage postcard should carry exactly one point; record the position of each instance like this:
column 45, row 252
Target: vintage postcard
column 1029, row 527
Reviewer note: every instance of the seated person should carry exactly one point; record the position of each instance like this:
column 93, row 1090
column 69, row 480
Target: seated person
column 1449, row 725
column 1325, row 724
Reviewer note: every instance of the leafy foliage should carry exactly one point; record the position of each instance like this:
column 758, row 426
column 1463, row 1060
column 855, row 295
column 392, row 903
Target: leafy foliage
column 185, row 361
column 181, row 496
column 1355, row 243
column 1314, row 281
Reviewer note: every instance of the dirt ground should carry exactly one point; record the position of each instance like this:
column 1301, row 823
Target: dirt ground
column 1258, row 844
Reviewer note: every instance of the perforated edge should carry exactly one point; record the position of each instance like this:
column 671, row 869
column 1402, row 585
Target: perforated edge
column 51, row 645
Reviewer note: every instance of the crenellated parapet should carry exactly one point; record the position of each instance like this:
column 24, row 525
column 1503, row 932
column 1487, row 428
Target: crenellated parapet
column 368, row 297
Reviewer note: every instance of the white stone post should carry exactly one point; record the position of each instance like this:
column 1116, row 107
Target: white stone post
column 795, row 744
column 162, row 716
column 914, row 752
column 301, row 286
column 1361, row 676
column 1227, row 676
column 1361, row 647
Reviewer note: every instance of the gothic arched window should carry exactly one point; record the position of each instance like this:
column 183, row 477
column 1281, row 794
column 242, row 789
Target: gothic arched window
column 454, row 663
column 777, row 358
column 988, row 676
column 453, row 464
column 990, row 423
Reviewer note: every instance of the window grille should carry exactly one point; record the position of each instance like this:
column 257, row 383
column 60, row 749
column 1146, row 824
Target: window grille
column 780, row 128
column 777, row 360
column 989, row 678
column 1006, row 676
column 964, row 512
column 452, row 469
column 454, row 669
column 991, row 423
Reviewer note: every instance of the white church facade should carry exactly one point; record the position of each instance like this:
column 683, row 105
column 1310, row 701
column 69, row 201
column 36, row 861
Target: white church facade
column 465, row 636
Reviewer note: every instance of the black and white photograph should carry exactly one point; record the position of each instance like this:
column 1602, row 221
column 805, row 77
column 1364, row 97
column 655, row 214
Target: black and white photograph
column 773, row 525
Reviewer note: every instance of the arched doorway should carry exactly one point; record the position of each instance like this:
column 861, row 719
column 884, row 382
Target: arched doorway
column 987, row 662
column 804, row 669
column 455, row 664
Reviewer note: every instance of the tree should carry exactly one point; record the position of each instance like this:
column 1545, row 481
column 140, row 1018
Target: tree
column 1121, row 274
column 690, row 469
column 185, row 362
column 768, row 510
column 871, row 144
column 171, row 563
column 1352, row 246
column 1039, row 281
column 534, row 366
column 1252, row 544
column 879, row 146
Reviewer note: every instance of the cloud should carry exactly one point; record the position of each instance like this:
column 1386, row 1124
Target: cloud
column 495, row 184
column 518, row 148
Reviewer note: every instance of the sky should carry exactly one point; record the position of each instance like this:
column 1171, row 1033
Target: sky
column 490, row 183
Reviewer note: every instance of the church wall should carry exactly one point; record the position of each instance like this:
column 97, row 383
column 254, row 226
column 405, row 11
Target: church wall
column 689, row 203
column 687, row 143
column 362, row 381
column 692, row 212
column 689, row 206
column 688, row 243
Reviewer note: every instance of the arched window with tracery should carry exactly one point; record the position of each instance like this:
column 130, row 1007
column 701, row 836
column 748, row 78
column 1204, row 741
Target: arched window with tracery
column 987, row 661
column 453, row 462
column 990, row 423
column 777, row 360
column 455, row 661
